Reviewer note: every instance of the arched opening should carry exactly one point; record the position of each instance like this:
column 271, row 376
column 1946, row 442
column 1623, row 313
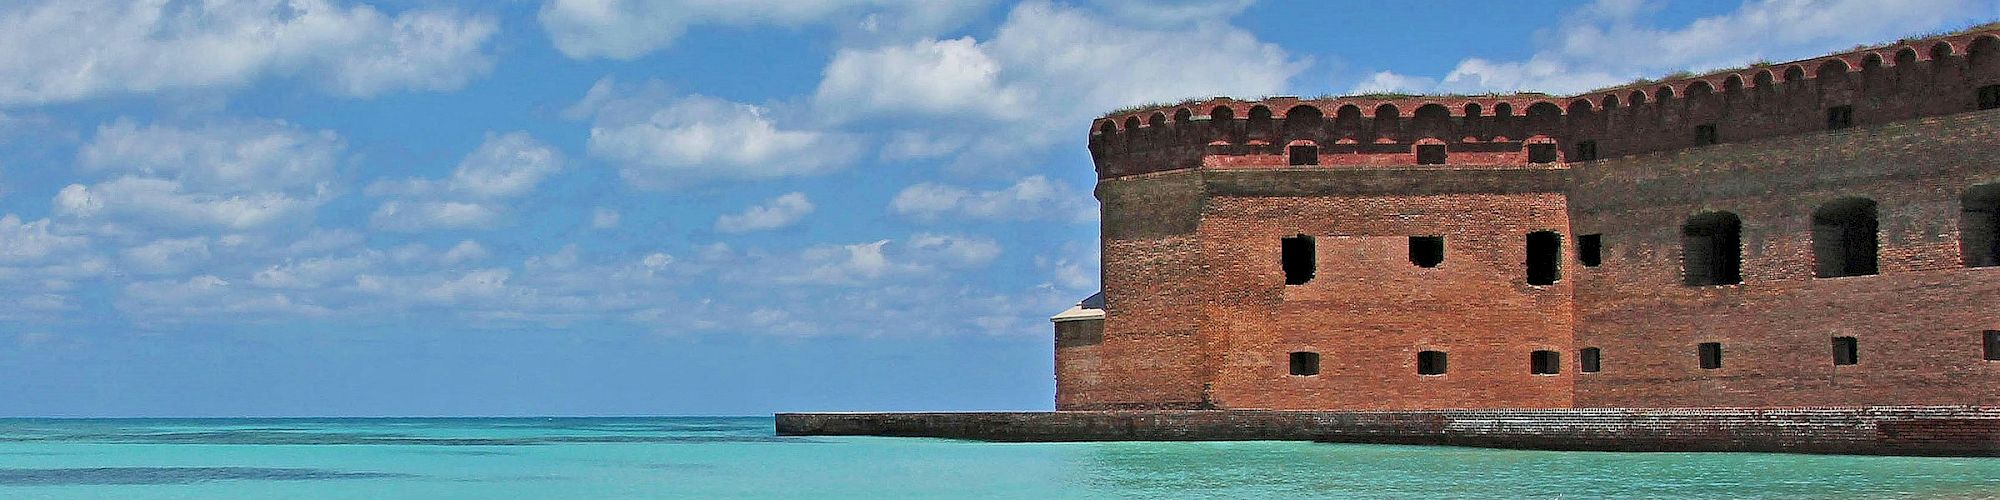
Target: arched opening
column 1637, row 98
column 1222, row 113
column 1107, row 128
column 1157, row 120
column 1763, row 78
column 1832, row 69
column 1472, row 110
column 1432, row 116
column 1503, row 110
column 1303, row 117
column 1844, row 238
column 1712, row 249
column 1871, row 63
column 1732, row 84
column 1610, row 103
column 1663, row 95
column 1544, row 265
column 1579, row 107
column 1983, row 51
column 1906, row 57
column 1260, row 113
column 1979, row 225
column 1348, row 116
column 1940, row 51
column 1297, row 257
column 1794, row 74
column 1132, row 123
column 1699, row 89
column 1386, row 112
column 1183, row 115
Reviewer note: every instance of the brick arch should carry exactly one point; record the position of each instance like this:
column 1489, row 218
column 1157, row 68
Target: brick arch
column 1906, row 56
column 1387, row 109
column 1940, row 50
column 1763, row 78
column 1795, row 73
column 1832, row 68
column 1158, row 119
column 1637, row 97
column 1700, row 88
column 1304, row 114
column 1472, row 109
column 1732, row 84
column 1220, row 113
column 1183, row 115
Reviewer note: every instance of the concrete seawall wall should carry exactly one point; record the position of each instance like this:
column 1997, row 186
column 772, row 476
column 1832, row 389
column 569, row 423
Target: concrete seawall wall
column 1940, row 431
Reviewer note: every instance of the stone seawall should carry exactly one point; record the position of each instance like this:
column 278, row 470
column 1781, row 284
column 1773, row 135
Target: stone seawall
column 1939, row 431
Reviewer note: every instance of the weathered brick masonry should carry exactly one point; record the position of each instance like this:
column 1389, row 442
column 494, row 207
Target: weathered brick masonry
column 1198, row 198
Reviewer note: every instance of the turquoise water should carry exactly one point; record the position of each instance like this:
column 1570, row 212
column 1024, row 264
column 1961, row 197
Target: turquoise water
column 740, row 457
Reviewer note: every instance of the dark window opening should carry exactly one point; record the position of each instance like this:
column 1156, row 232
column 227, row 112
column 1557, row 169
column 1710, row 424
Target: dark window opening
column 1711, row 355
column 1989, row 97
column 1303, row 155
column 1844, row 242
column 1712, row 249
column 1430, row 363
column 1993, row 345
column 1979, row 226
column 1590, row 249
column 1846, row 350
column 1545, row 363
column 1589, row 358
column 1586, row 150
column 1541, row 153
column 1426, row 251
column 1839, row 117
column 1305, row 363
column 1430, row 154
column 1298, row 259
column 1544, row 258
column 1705, row 135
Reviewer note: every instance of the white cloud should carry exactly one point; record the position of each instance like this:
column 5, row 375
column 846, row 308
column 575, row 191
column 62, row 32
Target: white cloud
column 931, row 77
column 1173, row 12
column 780, row 212
column 1032, row 198
column 30, row 242
column 958, row 251
column 659, row 142
column 603, row 218
column 504, row 167
column 1611, row 42
column 209, row 298
column 236, row 175
column 167, row 256
column 314, row 273
column 627, row 29
column 67, row 50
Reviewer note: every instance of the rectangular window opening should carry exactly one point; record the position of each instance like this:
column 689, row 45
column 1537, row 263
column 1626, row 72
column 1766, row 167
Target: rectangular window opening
column 1839, row 117
column 1297, row 256
column 1303, row 155
column 1711, row 355
column 1431, row 363
column 1430, row 154
column 1545, row 363
column 1544, row 258
column 1846, row 350
column 1426, row 251
column 1590, row 249
column 1588, row 357
column 1586, row 150
column 1305, row 364
column 1541, row 153
column 1705, row 135
column 1989, row 97
column 1993, row 345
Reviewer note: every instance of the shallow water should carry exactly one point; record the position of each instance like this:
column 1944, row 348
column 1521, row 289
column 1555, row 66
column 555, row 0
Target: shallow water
column 740, row 457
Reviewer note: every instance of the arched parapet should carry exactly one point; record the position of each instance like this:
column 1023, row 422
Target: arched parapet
column 1908, row 79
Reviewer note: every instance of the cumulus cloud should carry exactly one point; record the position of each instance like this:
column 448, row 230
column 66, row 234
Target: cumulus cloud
column 1612, row 41
column 779, row 212
column 31, row 242
column 627, row 29
column 1173, row 12
column 658, row 141
column 167, row 256
column 504, row 167
column 1049, row 62
column 66, row 50
column 603, row 218
column 208, row 297
column 1032, row 198
column 235, row 175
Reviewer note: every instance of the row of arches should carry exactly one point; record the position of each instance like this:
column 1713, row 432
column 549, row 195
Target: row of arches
column 1981, row 50
column 1845, row 239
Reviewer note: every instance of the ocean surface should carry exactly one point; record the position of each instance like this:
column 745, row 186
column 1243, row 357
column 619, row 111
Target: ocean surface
column 741, row 457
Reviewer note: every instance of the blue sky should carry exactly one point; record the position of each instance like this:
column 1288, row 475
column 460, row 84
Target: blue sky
column 609, row 207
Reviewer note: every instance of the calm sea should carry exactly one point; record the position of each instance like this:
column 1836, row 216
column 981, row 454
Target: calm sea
column 740, row 457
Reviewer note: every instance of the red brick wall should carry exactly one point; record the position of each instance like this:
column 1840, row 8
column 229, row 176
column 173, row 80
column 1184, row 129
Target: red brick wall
column 1194, row 207
column 1918, row 322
